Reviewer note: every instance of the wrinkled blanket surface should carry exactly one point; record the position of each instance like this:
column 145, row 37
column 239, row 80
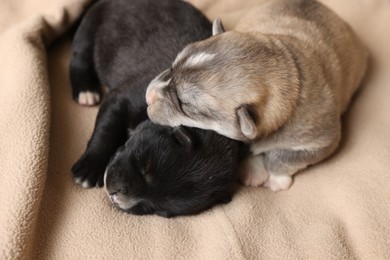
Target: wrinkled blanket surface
column 339, row 209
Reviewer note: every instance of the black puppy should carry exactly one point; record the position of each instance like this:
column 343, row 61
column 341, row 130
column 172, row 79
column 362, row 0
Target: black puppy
column 172, row 171
column 168, row 171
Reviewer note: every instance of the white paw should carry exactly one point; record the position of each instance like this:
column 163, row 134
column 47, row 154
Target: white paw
column 253, row 179
column 278, row 182
column 78, row 180
column 83, row 183
column 86, row 185
column 88, row 98
column 253, row 172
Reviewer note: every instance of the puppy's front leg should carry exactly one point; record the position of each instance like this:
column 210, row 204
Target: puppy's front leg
column 253, row 172
column 282, row 164
column 109, row 134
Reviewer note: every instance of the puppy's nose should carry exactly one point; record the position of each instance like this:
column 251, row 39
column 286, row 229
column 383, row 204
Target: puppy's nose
column 151, row 96
column 114, row 197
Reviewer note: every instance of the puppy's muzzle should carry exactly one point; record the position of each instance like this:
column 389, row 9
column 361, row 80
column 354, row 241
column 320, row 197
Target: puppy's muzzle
column 150, row 97
column 115, row 198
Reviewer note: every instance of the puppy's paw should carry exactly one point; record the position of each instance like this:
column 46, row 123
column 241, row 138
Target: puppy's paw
column 88, row 172
column 253, row 173
column 253, row 178
column 278, row 182
column 88, row 98
column 226, row 199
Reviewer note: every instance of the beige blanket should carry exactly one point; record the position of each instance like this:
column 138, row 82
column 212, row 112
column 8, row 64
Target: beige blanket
column 339, row 209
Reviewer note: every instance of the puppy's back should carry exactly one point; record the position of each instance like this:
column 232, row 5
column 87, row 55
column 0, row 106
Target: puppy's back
column 128, row 34
column 310, row 28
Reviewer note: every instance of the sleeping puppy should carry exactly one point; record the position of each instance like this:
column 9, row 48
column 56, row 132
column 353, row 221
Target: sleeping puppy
column 280, row 81
column 168, row 171
column 172, row 171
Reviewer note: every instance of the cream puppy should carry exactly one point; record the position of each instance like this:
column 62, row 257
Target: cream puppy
column 280, row 80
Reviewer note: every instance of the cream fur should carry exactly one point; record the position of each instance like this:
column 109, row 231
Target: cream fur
column 199, row 59
column 280, row 80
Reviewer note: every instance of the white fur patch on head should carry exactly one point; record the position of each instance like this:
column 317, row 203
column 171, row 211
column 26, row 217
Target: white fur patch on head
column 199, row 59
column 180, row 56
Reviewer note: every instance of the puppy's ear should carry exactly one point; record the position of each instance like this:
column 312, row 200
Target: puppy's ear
column 183, row 137
column 129, row 133
column 218, row 27
column 246, row 122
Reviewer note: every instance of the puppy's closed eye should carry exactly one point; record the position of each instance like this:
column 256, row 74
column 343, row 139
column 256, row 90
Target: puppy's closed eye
column 142, row 208
column 139, row 165
column 142, row 166
column 181, row 103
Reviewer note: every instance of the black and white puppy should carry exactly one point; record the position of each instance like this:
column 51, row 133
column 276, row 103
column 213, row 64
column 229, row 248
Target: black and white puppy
column 149, row 169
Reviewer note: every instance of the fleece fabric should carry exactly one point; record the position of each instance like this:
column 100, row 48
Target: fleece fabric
column 338, row 209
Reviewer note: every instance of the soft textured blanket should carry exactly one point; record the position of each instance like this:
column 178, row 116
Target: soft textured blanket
column 339, row 209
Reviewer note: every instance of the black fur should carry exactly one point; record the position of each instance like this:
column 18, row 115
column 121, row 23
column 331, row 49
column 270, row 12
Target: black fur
column 170, row 177
column 123, row 45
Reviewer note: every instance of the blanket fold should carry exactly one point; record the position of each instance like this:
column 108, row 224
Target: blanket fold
column 26, row 29
column 338, row 209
